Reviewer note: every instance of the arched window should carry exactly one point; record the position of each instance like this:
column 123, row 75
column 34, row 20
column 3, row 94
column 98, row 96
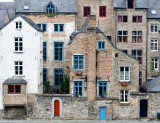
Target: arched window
column 50, row 8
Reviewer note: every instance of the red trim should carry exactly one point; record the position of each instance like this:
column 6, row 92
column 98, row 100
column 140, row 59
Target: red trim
column 86, row 11
column 102, row 11
column 14, row 89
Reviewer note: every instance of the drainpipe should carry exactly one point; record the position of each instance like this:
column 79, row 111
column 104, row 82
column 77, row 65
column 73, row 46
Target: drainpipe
column 115, row 28
column 146, row 48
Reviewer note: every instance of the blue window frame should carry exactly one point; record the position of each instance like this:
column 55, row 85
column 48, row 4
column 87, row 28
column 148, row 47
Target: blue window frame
column 78, row 88
column 78, row 62
column 102, row 88
column 58, row 51
column 43, row 27
column 44, row 50
column 101, row 45
column 45, row 74
column 58, row 27
column 58, row 76
column 50, row 9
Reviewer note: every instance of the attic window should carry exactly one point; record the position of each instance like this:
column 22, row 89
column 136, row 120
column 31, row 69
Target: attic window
column 26, row 7
column 50, row 9
column 153, row 12
column 130, row 4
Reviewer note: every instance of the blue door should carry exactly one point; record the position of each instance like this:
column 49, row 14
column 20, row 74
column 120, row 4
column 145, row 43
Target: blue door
column 102, row 114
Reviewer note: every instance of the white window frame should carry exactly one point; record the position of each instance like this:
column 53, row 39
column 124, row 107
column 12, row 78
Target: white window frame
column 124, row 74
column 155, row 69
column 154, row 42
column 18, row 68
column 154, row 25
column 18, row 41
column 18, row 25
column 124, row 93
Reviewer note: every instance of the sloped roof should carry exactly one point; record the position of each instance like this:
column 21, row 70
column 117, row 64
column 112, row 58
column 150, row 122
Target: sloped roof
column 154, row 5
column 10, row 81
column 153, row 85
column 39, row 6
column 139, row 4
column 7, row 12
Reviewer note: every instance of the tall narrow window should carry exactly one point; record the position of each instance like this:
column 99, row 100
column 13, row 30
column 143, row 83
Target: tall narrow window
column 122, row 36
column 124, row 73
column 154, row 64
column 87, row 11
column 136, row 36
column 130, row 4
column 78, row 88
column 137, row 54
column 18, row 44
column 58, row 51
column 44, row 50
column 18, row 67
column 58, row 76
column 18, row 25
column 124, row 96
column 45, row 74
column 102, row 11
column 102, row 88
column 78, row 62
column 154, row 45
column 50, row 9
column 140, row 77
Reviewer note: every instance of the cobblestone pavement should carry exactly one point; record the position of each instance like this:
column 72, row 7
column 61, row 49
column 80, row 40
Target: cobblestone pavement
column 60, row 121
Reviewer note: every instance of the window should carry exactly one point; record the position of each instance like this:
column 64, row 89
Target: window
column 102, row 11
column 58, row 51
column 130, row 4
column 44, row 50
column 137, row 19
column 101, row 45
column 136, row 36
column 137, row 54
column 14, row 89
column 87, row 11
column 58, row 27
column 58, row 76
column 124, row 96
column 18, row 45
column 78, row 62
column 125, row 51
column 18, row 68
column 122, row 36
column 123, row 18
column 109, row 37
column 102, row 88
column 42, row 27
column 154, row 64
column 78, row 88
column 18, row 25
column 140, row 77
column 45, row 74
column 154, row 28
column 154, row 45
column 124, row 74
column 50, row 9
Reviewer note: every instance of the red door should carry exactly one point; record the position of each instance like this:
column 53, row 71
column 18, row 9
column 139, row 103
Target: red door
column 56, row 108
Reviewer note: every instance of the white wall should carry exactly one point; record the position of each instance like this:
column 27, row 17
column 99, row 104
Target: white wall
column 31, row 55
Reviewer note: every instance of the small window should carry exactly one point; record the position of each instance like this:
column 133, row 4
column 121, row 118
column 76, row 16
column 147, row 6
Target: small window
column 43, row 27
column 124, row 96
column 18, row 68
column 140, row 78
column 154, row 28
column 14, row 89
column 58, row 76
column 137, row 54
column 102, row 88
column 18, row 44
column 87, row 11
column 137, row 19
column 122, row 36
column 102, row 11
column 18, row 25
column 78, row 88
column 78, row 62
column 130, row 4
column 50, row 9
column 58, row 51
column 154, row 45
column 154, row 64
column 125, row 51
column 45, row 74
column 109, row 37
column 101, row 45
column 44, row 51
column 58, row 27
column 124, row 74
column 123, row 18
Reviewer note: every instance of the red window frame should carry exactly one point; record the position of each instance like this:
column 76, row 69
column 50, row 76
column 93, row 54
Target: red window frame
column 137, row 19
column 102, row 11
column 121, row 18
column 86, row 11
column 14, row 89
column 122, row 38
column 137, row 38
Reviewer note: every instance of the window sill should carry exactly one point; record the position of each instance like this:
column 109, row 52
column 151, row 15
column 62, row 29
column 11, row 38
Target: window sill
column 18, row 29
column 18, row 52
column 120, row 81
column 15, row 94
column 19, row 76
column 124, row 103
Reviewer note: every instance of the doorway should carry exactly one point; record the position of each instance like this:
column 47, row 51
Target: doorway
column 143, row 108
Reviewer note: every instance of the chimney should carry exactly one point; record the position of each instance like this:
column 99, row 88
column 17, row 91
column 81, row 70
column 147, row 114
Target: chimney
column 91, row 22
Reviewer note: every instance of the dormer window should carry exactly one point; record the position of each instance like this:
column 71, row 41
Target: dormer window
column 50, row 9
column 130, row 4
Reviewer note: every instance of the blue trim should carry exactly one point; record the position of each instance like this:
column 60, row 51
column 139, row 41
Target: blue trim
column 103, row 85
column 78, row 62
column 42, row 27
column 58, row 27
column 58, row 76
column 50, row 9
column 103, row 113
column 45, row 74
column 78, row 88
column 101, row 45
column 59, row 51
column 44, row 50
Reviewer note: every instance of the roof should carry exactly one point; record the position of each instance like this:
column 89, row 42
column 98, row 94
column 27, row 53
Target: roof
column 38, row 6
column 153, row 85
column 122, row 4
column 10, row 81
column 154, row 5
column 29, row 21
column 7, row 12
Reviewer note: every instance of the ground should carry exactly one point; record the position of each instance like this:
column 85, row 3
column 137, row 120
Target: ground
column 60, row 121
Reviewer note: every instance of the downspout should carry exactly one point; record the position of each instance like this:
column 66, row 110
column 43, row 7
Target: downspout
column 146, row 49
column 115, row 28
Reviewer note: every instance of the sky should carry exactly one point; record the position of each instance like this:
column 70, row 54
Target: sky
column 6, row 0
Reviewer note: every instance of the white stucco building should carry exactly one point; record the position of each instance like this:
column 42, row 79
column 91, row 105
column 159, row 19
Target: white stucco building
column 20, row 57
